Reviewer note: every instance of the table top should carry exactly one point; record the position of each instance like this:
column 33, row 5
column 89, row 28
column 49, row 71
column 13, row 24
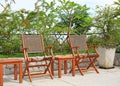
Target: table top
column 9, row 61
column 64, row 57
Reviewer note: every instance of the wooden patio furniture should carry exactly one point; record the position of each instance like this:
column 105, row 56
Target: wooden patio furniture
column 34, row 44
column 17, row 65
column 83, row 61
column 63, row 60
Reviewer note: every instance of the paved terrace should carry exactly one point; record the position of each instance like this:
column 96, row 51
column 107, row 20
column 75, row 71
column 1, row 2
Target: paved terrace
column 106, row 77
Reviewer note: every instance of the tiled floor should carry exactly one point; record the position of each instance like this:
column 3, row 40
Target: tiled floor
column 106, row 77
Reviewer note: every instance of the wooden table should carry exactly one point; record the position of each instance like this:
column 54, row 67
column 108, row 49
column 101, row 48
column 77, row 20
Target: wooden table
column 15, row 62
column 65, row 59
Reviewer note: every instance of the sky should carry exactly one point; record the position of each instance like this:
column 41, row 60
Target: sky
column 29, row 4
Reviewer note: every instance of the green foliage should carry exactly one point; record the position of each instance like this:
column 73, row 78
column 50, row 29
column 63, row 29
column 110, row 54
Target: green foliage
column 73, row 16
column 8, row 27
column 29, row 22
column 59, row 43
column 47, row 18
column 107, row 27
column 14, row 55
column 10, row 46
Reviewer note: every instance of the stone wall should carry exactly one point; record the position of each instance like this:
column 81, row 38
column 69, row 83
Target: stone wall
column 8, row 69
column 117, row 59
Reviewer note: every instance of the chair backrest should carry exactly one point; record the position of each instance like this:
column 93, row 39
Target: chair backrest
column 33, row 43
column 78, row 41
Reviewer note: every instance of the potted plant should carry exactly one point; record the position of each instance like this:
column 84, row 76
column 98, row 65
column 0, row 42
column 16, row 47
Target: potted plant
column 108, row 35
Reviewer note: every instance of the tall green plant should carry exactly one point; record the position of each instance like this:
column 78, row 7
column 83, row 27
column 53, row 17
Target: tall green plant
column 74, row 17
column 8, row 28
column 46, row 16
column 107, row 27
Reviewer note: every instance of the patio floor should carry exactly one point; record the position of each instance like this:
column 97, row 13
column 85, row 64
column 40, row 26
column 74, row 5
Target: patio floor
column 106, row 77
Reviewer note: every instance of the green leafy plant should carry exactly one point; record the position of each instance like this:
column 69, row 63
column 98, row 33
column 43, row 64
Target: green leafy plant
column 107, row 28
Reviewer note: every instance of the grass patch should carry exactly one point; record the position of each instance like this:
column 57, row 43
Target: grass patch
column 15, row 55
column 19, row 55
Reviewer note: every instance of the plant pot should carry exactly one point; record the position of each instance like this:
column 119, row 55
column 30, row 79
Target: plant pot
column 106, row 58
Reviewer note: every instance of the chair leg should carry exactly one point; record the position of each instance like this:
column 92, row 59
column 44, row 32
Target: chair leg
column 49, row 70
column 24, row 72
column 29, row 74
column 52, row 67
column 50, row 73
column 93, row 65
column 46, row 68
column 77, row 64
column 28, row 71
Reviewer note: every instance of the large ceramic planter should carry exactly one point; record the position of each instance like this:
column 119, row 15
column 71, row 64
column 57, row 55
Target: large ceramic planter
column 106, row 58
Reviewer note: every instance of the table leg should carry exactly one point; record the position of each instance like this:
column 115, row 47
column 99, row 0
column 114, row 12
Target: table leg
column 20, row 72
column 1, row 75
column 73, row 67
column 65, row 66
column 59, row 68
column 15, row 71
column 52, row 68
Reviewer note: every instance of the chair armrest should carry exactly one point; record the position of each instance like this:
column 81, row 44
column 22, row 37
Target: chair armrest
column 75, row 50
column 95, row 49
column 24, row 48
column 49, row 48
column 92, row 46
column 75, row 47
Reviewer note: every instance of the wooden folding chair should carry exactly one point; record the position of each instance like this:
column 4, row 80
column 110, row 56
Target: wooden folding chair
column 79, row 46
column 34, row 44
